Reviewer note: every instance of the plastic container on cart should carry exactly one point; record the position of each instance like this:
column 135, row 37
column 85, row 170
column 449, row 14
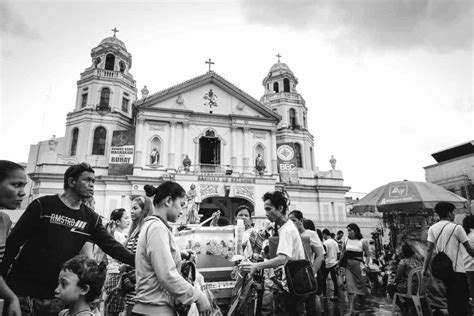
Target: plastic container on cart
column 214, row 246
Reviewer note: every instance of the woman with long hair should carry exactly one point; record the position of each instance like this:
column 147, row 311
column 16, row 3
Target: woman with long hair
column 12, row 192
column 141, row 208
column 160, row 286
column 114, row 303
column 354, row 249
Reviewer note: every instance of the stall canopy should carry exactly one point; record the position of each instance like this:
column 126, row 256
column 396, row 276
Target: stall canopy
column 407, row 196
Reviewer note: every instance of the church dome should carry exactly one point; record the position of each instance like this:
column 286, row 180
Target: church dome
column 280, row 66
column 113, row 40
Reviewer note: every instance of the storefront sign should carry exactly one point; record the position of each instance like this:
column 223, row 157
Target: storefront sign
column 287, row 166
column 121, row 153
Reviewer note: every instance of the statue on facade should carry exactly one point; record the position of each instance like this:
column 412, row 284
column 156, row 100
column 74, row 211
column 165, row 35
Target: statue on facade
column 53, row 142
column 144, row 92
column 186, row 163
column 260, row 165
column 192, row 216
column 332, row 161
column 154, row 156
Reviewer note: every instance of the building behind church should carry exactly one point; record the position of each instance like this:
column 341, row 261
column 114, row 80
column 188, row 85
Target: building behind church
column 203, row 131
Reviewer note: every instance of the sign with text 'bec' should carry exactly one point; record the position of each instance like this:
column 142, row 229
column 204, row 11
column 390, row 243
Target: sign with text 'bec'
column 287, row 166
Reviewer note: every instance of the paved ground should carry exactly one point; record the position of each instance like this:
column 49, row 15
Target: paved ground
column 374, row 306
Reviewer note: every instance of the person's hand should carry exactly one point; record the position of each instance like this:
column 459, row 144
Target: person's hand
column 203, row 305
column 216, row 214
column 123, row 268
column 188, row 254
column 248, row 267
column 14, row 308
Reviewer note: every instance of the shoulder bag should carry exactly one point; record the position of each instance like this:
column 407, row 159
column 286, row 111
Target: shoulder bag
column 300, row 276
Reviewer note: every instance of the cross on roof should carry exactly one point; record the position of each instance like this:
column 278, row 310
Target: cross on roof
column 114, row 30
column 209, row 63
column 278, row 55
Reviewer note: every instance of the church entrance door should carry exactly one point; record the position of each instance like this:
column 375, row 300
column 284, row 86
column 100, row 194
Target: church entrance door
column 227, row 206
column 210, row 152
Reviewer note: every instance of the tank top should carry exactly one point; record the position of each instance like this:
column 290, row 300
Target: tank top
column 354, row 245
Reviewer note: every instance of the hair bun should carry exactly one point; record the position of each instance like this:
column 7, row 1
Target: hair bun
column 150, row 190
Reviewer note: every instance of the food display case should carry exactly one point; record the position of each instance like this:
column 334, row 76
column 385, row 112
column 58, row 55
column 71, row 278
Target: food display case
column 214, row 247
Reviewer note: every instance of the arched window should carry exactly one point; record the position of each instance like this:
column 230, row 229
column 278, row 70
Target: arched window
column 109, row 62
column 104, row 97
column 286, row 85
column 304, row 121
column 292, row 118
column 299, row 158
column 75, row 136
column 100, row 136
column 275, row 87
column 210, row 133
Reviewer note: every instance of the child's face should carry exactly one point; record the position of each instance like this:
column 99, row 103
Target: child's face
column 68, row 291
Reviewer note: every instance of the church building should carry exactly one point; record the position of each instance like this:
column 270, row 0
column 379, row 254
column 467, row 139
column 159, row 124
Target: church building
column 203, row 131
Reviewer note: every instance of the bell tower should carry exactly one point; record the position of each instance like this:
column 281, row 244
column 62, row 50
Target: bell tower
column 106, row 91
column 282, row 97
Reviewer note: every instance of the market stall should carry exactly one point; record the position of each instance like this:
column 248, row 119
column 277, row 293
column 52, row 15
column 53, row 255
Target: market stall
column 214, row 247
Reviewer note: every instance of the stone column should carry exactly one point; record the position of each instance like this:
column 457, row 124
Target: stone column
column 171, row 150
column 233, row 144
column 185, row 140
column 273, row 152
column 196, row 152
column 245, row 147
column 138, row 161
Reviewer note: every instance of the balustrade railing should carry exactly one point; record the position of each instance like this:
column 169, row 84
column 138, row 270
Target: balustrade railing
column 217, row 170
column 110, row 74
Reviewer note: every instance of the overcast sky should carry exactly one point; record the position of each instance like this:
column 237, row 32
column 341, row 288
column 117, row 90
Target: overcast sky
column 387, row 83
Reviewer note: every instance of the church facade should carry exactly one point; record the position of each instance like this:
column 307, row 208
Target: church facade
column 204, row 131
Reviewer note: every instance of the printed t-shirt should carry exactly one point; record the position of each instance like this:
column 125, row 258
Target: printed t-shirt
column 450, row 246
column 49, row 233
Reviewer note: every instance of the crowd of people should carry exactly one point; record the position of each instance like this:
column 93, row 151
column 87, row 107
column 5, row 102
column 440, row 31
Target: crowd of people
column 61, row 259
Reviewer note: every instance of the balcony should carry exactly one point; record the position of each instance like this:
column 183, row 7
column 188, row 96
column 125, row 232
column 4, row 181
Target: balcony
column 109, row 74
column 220, row 170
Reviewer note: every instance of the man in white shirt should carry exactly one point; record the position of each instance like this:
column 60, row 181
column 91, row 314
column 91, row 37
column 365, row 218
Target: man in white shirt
column 331, row 261
column 290, row 247
column 448, row 237
column 316, row 256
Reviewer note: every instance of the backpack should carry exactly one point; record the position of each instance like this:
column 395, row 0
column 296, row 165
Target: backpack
column 442, row 265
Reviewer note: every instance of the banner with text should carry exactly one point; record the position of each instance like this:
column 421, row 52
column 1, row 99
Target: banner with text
column 121, row 153
column 287, row 166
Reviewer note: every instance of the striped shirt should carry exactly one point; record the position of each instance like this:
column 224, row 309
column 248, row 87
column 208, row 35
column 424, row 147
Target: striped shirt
column 132, row 246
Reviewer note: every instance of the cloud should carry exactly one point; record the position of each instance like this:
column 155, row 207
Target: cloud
column 439, row 25
column 14, row 25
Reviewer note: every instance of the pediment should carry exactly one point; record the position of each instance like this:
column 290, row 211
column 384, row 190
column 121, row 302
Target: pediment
column 207, row 93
